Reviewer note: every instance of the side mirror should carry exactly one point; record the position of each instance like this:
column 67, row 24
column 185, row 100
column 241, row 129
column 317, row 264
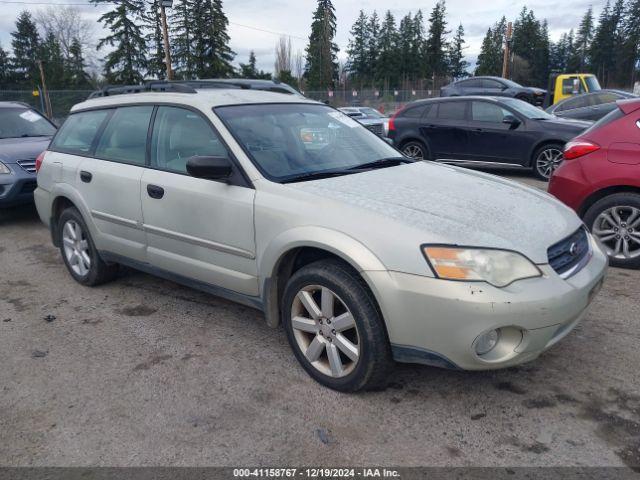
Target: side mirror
column 510, row 120
column 211, row 168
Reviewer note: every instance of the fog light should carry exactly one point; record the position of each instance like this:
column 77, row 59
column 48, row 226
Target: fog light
column 487, row 342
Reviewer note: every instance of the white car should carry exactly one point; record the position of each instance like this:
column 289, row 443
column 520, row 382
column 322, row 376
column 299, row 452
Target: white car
column 287, row 205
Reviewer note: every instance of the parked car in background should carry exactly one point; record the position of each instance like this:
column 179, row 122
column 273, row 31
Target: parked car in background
column 294, row 208
column 600, row 179
column 483, row 131
column 494, row 87
column 589, row 106
column 370, row 118
column 566, row 85
column 24, row 134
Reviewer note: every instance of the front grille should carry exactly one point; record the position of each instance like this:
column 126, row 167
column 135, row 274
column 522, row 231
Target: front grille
column 568, row 253
column 28, row 187
column 28, row 165
column 378, row 129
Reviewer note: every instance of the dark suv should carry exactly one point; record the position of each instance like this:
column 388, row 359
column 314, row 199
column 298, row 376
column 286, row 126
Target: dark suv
column 494, row 87
column 483, row 130
column 24, row 134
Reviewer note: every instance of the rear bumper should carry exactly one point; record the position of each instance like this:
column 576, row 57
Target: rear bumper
column 437, row 322
column 16, row 188
column 569, row 185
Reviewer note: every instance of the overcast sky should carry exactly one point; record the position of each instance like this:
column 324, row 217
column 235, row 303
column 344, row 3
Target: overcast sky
column 293, row 17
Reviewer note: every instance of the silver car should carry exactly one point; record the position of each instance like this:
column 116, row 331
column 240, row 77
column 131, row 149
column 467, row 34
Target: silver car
column 365, row 257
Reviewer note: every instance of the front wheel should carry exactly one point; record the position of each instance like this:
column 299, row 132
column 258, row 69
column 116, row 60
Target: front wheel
column 546, row 160
column 335, row 329
column 615, row 222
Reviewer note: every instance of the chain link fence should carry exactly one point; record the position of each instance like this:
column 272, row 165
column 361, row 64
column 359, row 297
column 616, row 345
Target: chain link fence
column 387, row 101
column 61, row 100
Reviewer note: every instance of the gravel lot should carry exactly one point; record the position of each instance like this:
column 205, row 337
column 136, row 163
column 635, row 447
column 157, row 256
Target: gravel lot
column 146, row 372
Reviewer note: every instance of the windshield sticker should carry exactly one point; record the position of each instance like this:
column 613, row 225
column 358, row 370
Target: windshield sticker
column 30, row 116
column 344, row 119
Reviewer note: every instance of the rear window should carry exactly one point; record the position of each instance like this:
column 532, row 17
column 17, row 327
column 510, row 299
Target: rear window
column 79, row 131
column 415, row 112
column 611, row 117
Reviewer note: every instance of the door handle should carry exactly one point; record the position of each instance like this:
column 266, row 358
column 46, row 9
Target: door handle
column 85, row 176
column 155, row 191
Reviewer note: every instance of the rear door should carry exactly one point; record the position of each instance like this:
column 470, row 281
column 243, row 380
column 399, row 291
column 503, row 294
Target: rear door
column 473, row 86
column 493, row 87
column 445, row 129
column 110, row 181
column 196, row 228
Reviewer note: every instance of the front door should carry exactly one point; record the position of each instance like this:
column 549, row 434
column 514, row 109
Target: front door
column 197, row 229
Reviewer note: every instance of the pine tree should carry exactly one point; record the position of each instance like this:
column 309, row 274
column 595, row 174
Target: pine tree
column 322, row 52
column 457, row 64
column 632, row 42
column 182, row 34
column 4, row 68
column 53, row 61
column 583, row 39
column 602, row 45
column 358, row 50
column 249, row 70
column 492, row 50
column 418, row 46
column 436, row 44
column 388, row 62
column 372, row 55
column 127, row 62
column 153, row 22
column 26, row 51
column 213, row 55
column 76, row 73
column 531, row 46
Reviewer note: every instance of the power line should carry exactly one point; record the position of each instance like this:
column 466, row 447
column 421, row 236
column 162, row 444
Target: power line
column 77, row 4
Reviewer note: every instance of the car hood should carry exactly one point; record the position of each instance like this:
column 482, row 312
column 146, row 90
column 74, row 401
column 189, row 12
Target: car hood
column 537, row 91
column 452, row 205
column 370, row 121
column 567, row 124
column 13, row 149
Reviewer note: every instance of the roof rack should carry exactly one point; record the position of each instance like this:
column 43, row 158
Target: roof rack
column 154, row 86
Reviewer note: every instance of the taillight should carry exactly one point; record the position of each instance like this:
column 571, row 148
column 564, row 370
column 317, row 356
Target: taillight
column 392, row 121
column 39, row 160
column 579, row 148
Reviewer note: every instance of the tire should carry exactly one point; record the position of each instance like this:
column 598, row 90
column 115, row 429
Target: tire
column 419, row 149
column 76, row 247
column 366, row 369
column 619, row 211
column 546, row 159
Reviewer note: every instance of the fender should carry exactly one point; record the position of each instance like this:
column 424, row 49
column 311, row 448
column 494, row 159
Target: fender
column 343, row 246
column 67, row 191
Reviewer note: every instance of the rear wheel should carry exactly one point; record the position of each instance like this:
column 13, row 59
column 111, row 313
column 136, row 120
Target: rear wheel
column 615, row 222
column 335, row 329
column 416, row 150
column 79, row 253
column 546, row 159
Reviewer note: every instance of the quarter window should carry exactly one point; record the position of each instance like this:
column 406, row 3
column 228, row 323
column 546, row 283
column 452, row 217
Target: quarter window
column 125, row 138
column 179, row 134
column 79, row 131
column 415, row 112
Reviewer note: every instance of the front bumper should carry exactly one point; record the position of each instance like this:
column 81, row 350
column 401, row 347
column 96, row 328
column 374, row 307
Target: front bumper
column 437, row 322
column 16, row 188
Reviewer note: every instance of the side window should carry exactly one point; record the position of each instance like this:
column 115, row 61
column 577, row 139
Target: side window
column 493, row 84
column 473, row 83
column 576, row 102
column 487, row 112
column 452, row 110
column 606, row 97
column 125, row 138
column 571, row 84
column 415, row 112
column 179, row 134
column 78, row 132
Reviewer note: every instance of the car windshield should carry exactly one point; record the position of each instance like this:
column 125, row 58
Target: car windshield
column 510, row 83
column 372, row 112
column 592, row 84
column 526, row 109
column 290, row 142
column 23, row 122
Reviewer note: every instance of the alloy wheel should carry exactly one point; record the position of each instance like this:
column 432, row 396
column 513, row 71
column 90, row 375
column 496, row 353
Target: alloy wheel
column 76, row 248
column 413, row 151
column 618, row 229
column 548, row 160
column 325, row 331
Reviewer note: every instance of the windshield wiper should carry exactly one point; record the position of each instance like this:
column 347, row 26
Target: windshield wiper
column 382, row 163
column 26, row 135
column 318, row 175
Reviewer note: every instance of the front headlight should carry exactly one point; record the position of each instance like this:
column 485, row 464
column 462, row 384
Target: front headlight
column 497, row 267
column 4, row 169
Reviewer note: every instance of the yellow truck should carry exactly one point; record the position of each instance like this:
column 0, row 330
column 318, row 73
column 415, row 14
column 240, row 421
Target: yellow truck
column 566, row 85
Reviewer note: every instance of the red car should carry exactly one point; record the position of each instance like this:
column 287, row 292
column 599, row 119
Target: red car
column 600, row 180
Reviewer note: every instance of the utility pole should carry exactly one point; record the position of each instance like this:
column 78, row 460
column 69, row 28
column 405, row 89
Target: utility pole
column 165, row 36
column 45, row 92
column 507, row 51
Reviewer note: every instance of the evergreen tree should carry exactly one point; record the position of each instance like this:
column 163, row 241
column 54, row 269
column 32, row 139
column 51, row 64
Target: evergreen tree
column 250, row 70
column 406, row 63
column 388, row 61
column 418, row 46
column 601, row 50
column 632, row 40
column 4, row 68
column 182, row 33
column 153, row 22
column 492, row 51
column 531, row 45
column 127, row 62
column 583, row 39
column 76, row 73
column 358, row 50
column 436, row 44
column 53, row 61
column 25, row 43
column 372, row 56
column 457, row 64
column 322, row 52
column 213, row 55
